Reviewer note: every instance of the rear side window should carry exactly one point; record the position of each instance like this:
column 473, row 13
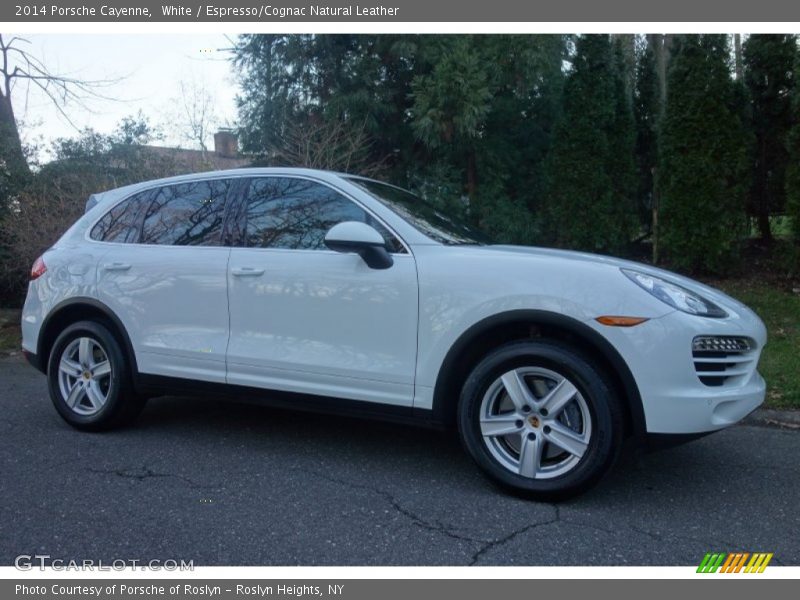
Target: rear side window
column 187, row 214
column 291, row 213
column 122, row 223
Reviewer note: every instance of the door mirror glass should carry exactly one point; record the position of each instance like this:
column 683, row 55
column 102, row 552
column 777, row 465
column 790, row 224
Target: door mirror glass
column 361, row 239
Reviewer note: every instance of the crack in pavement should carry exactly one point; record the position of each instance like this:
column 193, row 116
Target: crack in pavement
column 435, row 526
column 487, row 545
column 658, row 537
column 146, row 472
column 560, row 519
column 504, row 540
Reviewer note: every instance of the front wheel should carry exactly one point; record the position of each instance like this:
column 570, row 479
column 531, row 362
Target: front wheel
column 539, row 418
column 89, row 379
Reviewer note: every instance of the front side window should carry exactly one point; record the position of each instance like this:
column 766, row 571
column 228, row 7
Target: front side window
column 295, row 214
column 187, row 214
column 122, row 223
column 427, row 218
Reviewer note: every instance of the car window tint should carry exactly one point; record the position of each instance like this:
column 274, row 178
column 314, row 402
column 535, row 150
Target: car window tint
column 188, row 214
column 284, row 212
column 434, row 221
column 122, row 223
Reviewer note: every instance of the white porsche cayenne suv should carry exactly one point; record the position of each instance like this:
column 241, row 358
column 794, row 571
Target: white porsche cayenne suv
column 322, row 290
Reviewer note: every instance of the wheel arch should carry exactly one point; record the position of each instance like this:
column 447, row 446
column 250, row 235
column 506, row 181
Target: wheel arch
column 72, row 310
column 522, row 324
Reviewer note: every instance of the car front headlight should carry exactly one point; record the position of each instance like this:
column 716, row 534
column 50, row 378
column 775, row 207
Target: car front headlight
column 675, row 295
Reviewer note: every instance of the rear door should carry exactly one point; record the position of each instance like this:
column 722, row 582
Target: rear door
column 164, row 275
column 307, row 319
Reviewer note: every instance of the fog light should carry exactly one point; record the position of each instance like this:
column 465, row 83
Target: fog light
column 717, row 343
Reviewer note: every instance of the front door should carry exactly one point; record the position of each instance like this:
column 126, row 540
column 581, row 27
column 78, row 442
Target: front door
column 306, row 319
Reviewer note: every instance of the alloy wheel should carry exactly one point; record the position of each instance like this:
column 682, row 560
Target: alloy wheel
column 84, row 376
column 535, row 422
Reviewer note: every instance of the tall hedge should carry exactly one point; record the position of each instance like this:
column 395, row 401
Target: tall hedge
column 703, row 158
column 591, row 179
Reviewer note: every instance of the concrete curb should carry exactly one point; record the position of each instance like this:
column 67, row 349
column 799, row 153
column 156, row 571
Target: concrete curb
column 769, row 417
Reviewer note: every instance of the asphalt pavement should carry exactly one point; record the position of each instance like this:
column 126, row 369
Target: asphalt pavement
column 230, row 484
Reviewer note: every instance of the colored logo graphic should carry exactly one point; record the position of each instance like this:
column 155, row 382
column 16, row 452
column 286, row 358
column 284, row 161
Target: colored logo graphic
column 735, row 562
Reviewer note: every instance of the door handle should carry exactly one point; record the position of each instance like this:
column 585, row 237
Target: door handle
column 116, row 266
column 247, row 272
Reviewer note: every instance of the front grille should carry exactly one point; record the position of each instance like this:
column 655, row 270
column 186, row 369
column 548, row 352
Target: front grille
column 719, row 359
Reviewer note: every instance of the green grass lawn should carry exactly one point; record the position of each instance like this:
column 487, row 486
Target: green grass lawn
column 778, row 307
column 780, row 362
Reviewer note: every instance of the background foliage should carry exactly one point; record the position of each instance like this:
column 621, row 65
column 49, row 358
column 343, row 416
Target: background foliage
column 676, row 148
column 679, row 149
column 55, row 196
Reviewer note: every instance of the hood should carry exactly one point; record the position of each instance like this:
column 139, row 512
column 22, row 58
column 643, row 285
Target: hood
column 727, row 302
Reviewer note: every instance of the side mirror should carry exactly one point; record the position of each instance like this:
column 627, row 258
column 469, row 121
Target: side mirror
column 361, row 239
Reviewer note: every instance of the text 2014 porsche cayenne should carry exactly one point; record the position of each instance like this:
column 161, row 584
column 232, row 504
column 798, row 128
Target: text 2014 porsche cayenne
column 347, row 294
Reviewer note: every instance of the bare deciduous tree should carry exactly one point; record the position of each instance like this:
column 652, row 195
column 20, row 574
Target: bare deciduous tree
column 17, row 65
column 331, row 145
column 199, row 118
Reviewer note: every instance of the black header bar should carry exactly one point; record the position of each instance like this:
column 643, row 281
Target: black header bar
column 275, row 11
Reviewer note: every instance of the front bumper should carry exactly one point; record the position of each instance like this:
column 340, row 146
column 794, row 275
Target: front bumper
column 674, row 399
column 703, row 412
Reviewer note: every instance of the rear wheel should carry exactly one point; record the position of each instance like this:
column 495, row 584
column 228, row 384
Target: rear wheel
column 537, row 417
column 89, row 378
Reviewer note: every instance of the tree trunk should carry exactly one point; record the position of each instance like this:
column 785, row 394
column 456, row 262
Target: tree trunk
column 762, row 200
column 655, row 223
column 737, row 56
column 661, row 46
column 11, row 144
column 472, row 178
column 764, row 228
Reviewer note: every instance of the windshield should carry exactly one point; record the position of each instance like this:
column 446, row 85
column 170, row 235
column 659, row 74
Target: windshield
column 423, row 215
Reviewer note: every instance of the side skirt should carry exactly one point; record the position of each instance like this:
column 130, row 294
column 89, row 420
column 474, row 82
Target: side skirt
column 158, row 385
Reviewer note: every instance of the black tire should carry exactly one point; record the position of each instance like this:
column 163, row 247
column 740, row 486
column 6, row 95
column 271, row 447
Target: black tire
column 122, row 405
column 604, row 437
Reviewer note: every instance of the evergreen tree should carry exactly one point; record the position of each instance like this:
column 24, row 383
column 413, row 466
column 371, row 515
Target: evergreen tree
column 768, row 62
column 590, row 170
column 484, row 110
column 793, row 148
column 703, row 165
column 454, row 117
column 298, row 81
column 452, row 101
column 268, row 97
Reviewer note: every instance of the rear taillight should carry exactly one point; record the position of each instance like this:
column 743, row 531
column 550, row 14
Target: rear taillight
column 38, row 269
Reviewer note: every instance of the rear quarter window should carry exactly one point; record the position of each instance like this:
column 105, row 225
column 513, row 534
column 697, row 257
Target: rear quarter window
column 122, row 223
